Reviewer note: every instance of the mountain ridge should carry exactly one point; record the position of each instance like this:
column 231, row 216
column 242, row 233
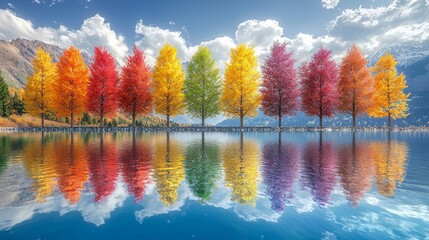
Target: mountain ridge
column 16, row 58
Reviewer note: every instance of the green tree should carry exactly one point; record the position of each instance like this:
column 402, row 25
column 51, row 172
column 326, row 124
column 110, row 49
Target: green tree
column 202, row 85
column 5, row 98
column 17, row 105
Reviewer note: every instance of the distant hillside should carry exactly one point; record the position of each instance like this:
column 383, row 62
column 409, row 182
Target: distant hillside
column 16, row 57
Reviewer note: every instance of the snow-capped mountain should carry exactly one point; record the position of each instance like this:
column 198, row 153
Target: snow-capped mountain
column 405, row 54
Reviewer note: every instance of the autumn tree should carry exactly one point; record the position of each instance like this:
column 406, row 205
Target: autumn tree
column 39, row 87
column 134, row 95
column 356, row 86
column 5, row 98
column 103, row 84
column 202, row 85
column 240, row 96
column 71, row 85
column 390, row 100
column 280, row 85
column 167, row 83
column 319, row 79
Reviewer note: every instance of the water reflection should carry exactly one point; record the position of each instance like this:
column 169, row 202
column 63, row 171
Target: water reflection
column 241, row 163
column 356, row 169
column 319, row 169
column 203, row 167
column 219, row 170
column 71, row 164
column 390, row 161
column 39, row 161
column 168, row 168
column 103, row 166
column 280, row 171
column 135, row 158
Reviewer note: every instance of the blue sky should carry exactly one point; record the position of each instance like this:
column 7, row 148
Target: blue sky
column 304, row 25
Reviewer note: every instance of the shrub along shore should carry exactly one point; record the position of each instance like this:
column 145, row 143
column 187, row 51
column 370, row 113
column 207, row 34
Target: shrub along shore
column 208, row 129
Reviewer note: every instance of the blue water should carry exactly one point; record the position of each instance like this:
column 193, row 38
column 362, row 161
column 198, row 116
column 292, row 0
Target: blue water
column 335, row 185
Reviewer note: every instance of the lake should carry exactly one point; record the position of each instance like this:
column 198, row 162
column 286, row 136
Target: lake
column 178, row 185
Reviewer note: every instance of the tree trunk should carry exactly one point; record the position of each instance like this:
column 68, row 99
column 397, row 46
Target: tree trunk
column 72, row 120
column 320, row 121
column 43, row 120
column 102, row 120
column 168, row 120
column 354, row 121
column 202, row 121
column 280, row 120
column 241, row 118
column 134, row 119
column 388, row 120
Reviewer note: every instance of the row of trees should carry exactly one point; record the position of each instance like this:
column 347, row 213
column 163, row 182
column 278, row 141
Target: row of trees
column 69, row 87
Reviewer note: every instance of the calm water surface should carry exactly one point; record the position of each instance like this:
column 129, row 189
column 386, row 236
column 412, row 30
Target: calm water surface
column 335, row 185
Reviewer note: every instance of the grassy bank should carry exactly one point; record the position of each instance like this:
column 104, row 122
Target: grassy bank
column 27, row 121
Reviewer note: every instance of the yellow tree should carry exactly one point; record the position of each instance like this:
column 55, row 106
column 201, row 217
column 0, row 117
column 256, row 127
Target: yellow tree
column 390, row 100
column 240, row 96
column 70, row 87
column 167, row 83
column 37, row 91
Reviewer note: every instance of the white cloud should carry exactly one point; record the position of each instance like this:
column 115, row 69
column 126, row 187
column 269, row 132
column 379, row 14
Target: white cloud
column 171, row 23
column 370, row 25
column 10, row 5
column 152, row 39
column 330, row 4
column 220, row 48
column 261, row 34
column 37, row 1
column 93, row 32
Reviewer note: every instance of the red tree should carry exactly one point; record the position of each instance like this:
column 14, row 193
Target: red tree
column 134, row 96
column 103, row 85
column 280, row 86
column 319, row 79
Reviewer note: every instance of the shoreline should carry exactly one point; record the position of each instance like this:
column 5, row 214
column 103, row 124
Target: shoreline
column 206, row 129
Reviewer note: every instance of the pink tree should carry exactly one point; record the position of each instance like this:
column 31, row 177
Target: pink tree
column 319, row 79
column 280, row 85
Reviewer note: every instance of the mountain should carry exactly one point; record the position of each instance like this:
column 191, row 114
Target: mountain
column 405, row 54
column 16, row 59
